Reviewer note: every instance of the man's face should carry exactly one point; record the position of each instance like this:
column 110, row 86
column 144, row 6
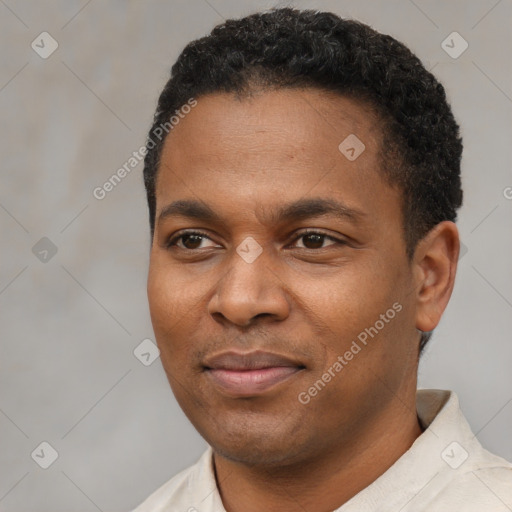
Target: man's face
column 251, row 312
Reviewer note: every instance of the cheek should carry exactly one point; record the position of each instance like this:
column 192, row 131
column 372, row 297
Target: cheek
column 173, row 293
column 348, row 301
column 171, row 304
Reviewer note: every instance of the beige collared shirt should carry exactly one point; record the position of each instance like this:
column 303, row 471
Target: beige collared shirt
column 445, row 470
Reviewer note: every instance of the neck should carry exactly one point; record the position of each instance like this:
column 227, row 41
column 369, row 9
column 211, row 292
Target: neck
column 331, row 479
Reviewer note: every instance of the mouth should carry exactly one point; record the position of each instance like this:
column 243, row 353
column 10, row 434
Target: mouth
column 250, row 374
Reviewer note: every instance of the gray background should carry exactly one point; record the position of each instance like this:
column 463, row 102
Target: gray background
column 69, row 325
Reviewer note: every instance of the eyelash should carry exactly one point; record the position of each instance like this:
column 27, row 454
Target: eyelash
column 172, row 241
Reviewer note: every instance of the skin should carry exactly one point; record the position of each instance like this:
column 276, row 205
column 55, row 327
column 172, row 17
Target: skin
column 306, row 298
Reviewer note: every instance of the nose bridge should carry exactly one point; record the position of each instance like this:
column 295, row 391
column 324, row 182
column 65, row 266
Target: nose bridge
column 249, row 287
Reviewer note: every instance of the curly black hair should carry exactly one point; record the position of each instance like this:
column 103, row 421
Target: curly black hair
column 421, row 147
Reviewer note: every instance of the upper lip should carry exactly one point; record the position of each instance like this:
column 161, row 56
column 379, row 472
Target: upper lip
column 256, row 360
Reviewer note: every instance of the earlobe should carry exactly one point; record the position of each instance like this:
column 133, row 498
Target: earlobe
column 435, row 263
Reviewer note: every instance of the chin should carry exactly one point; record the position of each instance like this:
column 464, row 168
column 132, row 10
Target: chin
column 267, row 455
column 257, row 443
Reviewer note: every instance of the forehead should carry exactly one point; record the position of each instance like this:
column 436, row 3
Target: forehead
column 308, row 121
column 273, row 146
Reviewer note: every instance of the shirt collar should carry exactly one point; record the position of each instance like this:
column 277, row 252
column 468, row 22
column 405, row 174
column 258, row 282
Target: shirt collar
column 431, row 462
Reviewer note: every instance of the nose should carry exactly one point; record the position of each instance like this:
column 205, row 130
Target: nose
column 247, row 291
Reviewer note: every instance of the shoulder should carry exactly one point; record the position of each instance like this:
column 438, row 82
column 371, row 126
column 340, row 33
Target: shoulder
column 169, row 492
column 182, row 490
column 486, row 488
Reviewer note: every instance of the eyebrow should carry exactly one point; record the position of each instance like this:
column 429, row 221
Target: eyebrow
column 301, row 209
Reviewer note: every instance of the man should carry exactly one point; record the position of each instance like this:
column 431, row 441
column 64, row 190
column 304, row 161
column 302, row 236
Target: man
column 303, row 178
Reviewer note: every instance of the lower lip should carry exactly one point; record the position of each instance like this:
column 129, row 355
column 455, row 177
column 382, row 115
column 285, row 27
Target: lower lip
column 251, row 382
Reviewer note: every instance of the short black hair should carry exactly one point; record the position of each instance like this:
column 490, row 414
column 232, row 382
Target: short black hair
column 291, row 48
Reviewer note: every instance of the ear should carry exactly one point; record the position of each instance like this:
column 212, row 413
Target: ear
column 435, row 265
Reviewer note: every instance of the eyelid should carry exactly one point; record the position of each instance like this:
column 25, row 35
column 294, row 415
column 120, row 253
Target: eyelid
column 313, row 231
column 182, row 232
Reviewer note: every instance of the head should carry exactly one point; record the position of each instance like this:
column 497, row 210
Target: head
column 266, row 127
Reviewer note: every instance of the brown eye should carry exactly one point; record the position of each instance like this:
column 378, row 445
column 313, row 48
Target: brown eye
column 188, row 241
column 315, row 240
column 191, row 241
